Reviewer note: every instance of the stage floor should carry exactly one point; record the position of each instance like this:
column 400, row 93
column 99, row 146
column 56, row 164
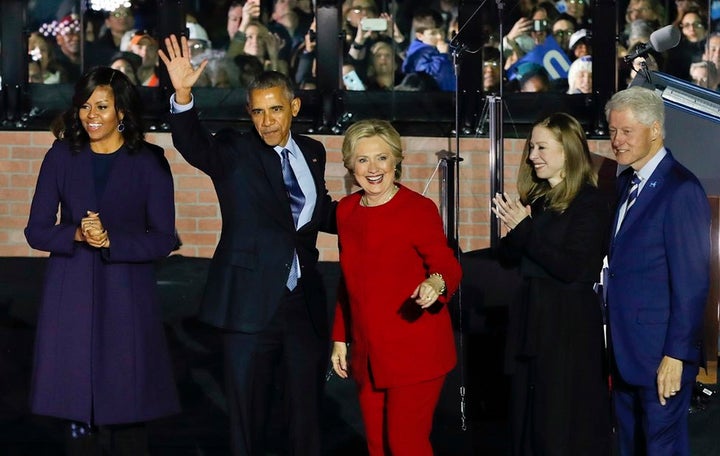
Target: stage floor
column 202, row 428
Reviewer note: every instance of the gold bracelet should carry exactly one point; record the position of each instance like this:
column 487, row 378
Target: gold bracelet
column 439, row 276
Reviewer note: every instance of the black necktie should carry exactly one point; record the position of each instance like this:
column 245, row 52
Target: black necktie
column 297, row 201
column 294, row 192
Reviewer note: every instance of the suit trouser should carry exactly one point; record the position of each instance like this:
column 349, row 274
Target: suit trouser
column 398, row 420
column 288, row 349
column 647, row 428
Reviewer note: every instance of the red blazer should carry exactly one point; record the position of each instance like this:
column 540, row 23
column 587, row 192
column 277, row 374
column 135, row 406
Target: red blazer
column 385, row 252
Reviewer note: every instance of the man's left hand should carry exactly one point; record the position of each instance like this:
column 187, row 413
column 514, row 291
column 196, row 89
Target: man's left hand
column 669, row 378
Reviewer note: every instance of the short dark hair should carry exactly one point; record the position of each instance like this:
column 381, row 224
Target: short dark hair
column 270, row 79
column 127, row 101
column 426, row 19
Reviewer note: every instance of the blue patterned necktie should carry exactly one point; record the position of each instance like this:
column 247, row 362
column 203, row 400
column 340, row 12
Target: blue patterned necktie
column 297, row 201
column 632, row 192
column 630, row 200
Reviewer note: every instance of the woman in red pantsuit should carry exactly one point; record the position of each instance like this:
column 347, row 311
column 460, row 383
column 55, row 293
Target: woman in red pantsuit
column 397, row 275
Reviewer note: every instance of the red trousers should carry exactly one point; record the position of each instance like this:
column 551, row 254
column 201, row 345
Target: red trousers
column 398, row 420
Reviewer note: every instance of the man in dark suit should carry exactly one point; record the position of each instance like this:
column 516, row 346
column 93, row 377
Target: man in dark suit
column 263, row 288
column 657, row 280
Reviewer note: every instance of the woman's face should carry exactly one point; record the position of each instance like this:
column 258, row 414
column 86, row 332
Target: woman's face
column 254, row 41
column 383, row 60
column 546, row 156
column 693, row 28
column 100, row 120
column 374, row 166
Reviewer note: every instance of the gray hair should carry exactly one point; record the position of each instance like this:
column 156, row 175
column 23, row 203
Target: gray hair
column 646, row 105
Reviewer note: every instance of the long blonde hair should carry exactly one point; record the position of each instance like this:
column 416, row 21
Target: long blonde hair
column 577, row 170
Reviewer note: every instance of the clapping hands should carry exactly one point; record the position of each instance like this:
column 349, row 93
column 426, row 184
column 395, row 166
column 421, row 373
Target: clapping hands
column 510, row 211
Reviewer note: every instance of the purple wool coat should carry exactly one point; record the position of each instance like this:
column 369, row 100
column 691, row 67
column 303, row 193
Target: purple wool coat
column 100, row 351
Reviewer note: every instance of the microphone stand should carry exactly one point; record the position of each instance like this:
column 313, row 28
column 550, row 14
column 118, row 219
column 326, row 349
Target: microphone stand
column 458, row 48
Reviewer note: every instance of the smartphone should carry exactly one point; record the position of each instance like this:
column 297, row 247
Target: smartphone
column 540, row 25
column 352, row 81
column 374, row 24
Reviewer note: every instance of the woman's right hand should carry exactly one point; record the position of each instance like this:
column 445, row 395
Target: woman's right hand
column 510, row 211
column 182, row 74
column 339, row 359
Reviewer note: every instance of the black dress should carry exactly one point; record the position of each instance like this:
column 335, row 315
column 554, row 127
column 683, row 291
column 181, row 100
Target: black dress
column 555, row 351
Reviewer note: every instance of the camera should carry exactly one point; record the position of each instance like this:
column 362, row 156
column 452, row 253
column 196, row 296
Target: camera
column 374, row 24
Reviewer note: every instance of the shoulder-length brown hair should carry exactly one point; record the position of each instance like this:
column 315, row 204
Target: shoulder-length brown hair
column 577, row 172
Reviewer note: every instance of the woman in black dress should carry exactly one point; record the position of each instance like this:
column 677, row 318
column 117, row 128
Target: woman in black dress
column 557, row 234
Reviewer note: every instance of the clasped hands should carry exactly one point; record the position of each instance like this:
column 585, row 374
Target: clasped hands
column 510, row 211
column 92, row 231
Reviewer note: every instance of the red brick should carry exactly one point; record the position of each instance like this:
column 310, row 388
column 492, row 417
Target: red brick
column 28, row 153
column 214, row 224
column 197, row 210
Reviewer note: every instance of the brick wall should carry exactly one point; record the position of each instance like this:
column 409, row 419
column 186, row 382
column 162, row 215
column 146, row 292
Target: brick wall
column 198, row 215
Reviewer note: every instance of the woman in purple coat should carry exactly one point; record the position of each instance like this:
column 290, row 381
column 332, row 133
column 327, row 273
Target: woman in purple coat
column 101, row 360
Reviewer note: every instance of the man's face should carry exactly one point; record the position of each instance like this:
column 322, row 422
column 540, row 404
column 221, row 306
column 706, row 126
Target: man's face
column 69, row 43
column 633, row 143
column 272, row 112
column 491, row 75
column 234, row 18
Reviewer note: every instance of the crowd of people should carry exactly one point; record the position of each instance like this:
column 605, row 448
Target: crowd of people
column 406, row 48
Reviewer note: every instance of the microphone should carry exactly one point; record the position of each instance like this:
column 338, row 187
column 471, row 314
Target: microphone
column 661, row 40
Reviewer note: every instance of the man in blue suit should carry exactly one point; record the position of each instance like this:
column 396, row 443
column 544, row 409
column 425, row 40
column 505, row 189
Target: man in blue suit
column 657, row 280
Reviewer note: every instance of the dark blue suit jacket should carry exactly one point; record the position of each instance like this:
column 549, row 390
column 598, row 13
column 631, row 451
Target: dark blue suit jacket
column 247, row 275
column 658, row 274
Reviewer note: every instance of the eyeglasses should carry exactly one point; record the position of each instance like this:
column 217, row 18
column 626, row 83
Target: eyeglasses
column 563, row 33
column 696, row 25
column 360, row 9
column 638, row 10
column 576, row 2
column 490, row 63
column 119, row 14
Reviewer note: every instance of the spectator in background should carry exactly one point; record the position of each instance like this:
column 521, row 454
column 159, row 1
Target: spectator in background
column 67, row 45
column 384, row 70
column 712, row 49
column 200, row 45
column 239, row 15
column 562, row 30
column 580, row 44
column 580, row 76
column 117, row 23
column 265, row 46
column 428, row 52
column 683, row 6
column 127, row 63
column 491, row 74
column 704, row 74
column 45, row 69
column 691, row 47
column 146, row 47
column 303, row 65
column 580, row 11
column 285, row 22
